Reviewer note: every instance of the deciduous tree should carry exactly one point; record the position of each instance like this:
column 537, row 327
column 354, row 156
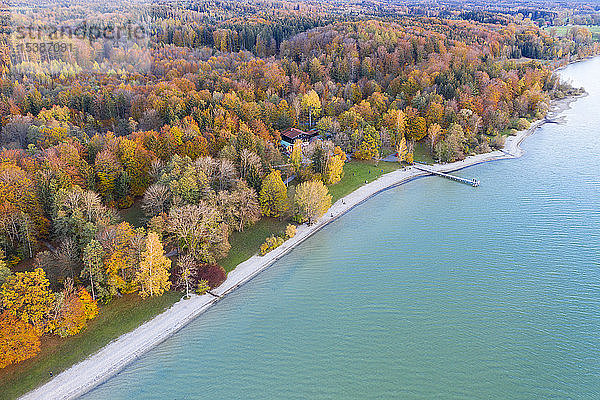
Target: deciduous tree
column 93, row 270
column 19, row 340
column 239, row 207
column 296, row 156
column 416, row 129
column 369, row 147
column 311, row 105
column 27, row 296
column 273, row 195
column 402, row 150
column 434, row 132
column 153, row 273
column 311, row 201
column 251, row 168
column 200, row 230
column 69, row 312
column 335, row 167
column 186, row 269
column 156, row 199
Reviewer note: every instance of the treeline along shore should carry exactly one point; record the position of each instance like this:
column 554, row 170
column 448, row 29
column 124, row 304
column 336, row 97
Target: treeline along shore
column 110, row 360
column 136, row 169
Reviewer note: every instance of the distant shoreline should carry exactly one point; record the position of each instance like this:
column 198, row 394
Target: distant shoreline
column 108, row 361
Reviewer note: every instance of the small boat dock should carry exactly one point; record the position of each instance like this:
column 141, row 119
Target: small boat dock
column 472, row 182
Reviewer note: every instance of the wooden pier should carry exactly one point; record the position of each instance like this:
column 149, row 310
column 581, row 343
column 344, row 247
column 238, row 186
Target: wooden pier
column 473, row 182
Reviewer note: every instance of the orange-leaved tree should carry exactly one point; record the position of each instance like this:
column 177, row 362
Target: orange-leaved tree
column 73, row 309
column 18, row 340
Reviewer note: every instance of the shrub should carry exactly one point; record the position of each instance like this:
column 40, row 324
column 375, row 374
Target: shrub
column 213, row 274
column 270, row 244
column 202, row 287
column 290, row 231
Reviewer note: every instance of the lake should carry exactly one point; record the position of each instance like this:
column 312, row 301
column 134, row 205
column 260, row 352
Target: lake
column 431, row 290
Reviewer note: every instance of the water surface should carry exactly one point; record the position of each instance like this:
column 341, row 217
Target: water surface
column 431, row 290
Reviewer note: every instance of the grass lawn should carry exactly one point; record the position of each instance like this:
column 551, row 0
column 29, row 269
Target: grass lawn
column 422, row 154
column 247, row 243
column 509, row 132
column 134, row 215
column 563, row 29
column 122, row 315
column 356, row 173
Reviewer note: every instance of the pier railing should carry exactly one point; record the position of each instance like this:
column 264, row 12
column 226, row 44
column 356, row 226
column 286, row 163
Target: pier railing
column 473, row 182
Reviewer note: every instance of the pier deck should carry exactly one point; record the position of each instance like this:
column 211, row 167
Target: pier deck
column 473, row 182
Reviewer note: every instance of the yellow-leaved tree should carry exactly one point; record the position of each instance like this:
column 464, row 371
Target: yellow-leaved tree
column 434, row 131
column 395, row 121
column 369, row 147
column 334, row 171
column 90, row 307
column 27, row 296
column 402, row 149
column 296, row 156
column 311, row 201
column 311, row 105
column 416, row 129
column 153, row 273
column 273, row 195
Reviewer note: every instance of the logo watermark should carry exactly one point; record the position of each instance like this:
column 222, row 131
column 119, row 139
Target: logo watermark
column 83, row 31
column 66, row 49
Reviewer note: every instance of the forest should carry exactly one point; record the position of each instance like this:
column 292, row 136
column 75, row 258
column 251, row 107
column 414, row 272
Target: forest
column 183, row 121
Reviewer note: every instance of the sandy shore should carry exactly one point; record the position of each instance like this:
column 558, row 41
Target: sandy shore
column 108, row 361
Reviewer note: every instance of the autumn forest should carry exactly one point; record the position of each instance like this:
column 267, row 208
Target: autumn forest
column 179, row 114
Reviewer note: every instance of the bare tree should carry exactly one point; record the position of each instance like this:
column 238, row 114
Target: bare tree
column 200, row 230
column 91, row 204
column 156, row 169
column 186, row 267
column 208, row 166
column 67, row 255
column 227, row 174
column 221, row 173
column 240, row 207
column 156, row 199
column 250, row 166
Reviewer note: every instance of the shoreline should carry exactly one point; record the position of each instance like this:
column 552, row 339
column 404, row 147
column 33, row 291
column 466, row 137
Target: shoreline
column 112, row 358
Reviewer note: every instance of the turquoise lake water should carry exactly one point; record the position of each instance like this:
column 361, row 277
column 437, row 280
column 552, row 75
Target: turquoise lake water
column 433, row 290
